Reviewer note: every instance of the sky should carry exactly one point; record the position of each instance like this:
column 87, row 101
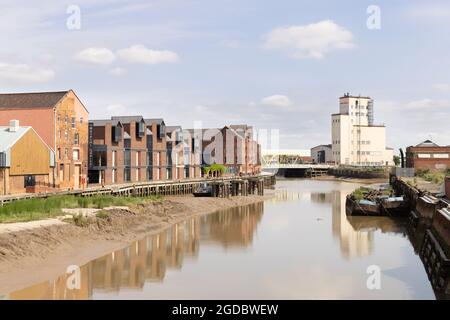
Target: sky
column 272, row 64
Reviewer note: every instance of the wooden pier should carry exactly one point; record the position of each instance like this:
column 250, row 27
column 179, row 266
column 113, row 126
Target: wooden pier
column 222, row 187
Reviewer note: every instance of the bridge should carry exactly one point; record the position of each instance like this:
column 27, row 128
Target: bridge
column 293, row 163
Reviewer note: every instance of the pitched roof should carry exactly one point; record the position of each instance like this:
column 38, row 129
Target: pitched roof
column 128, row 119
column 427, row 143
column 30, row 100
column 101, row 123
column 156, row 120
column 8, row 138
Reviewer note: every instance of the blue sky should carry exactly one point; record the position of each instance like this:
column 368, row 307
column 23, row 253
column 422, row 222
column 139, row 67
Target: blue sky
column 272, row 64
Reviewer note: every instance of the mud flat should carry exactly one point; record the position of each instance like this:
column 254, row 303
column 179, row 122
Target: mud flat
column 30, row 252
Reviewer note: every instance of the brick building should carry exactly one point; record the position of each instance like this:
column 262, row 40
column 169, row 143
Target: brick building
column 234, row 147
column 20, row 173
column 61, row 120
column 157, row 149
column 428, row 155
column 127, row 149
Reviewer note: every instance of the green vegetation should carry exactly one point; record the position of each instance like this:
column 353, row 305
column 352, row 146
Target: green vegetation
column 396, row 160
column 215, row 170
column 80, row 220
column 432, row 176
column 359, row 193
column 103, row 214
column 41, row 208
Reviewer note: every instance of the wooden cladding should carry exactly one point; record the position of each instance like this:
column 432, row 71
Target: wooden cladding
column 30, row 155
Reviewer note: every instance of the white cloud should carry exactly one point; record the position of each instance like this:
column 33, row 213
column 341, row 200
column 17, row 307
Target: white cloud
column 24, row 74
column 118, row 71
column 310, row 41
column 277, row 100
column 96, row 55
column 445, row 87
column 141, row 54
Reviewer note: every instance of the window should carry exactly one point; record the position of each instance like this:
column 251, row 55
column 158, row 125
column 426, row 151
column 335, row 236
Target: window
column 127, row 175
column 76, row 155
column 66, row 118
column 73, row 122
column 66, row 135
column 149, row 174
column 76, row 139
column 137, row 158
column 81, row 119
column 29, row 181
column 66, row 153
column 127, row 158
column 59, row 154
column 59, row 117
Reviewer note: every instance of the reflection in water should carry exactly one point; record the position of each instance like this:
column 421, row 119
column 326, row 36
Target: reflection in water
column 147, row 260
column 355, row 233
column 306, row 247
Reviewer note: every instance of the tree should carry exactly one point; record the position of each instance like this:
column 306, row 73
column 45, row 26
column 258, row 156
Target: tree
column 397, row 160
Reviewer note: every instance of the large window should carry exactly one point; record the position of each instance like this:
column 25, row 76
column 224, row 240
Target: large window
column 150, row 174
column 127, row 174
column 127, row 158
column 99, row 158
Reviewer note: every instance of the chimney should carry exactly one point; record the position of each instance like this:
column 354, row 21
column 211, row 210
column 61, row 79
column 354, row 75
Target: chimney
column 13, row 125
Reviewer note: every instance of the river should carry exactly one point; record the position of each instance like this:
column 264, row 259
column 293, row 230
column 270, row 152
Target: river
column 298, row 245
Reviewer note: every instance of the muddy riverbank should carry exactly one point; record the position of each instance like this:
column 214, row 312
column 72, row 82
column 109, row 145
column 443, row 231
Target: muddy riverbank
column 28, row 255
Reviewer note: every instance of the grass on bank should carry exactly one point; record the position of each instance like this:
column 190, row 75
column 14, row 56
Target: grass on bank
column 433, row 177
column 42, row 208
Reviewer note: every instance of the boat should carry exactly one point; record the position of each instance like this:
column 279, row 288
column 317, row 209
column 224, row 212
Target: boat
column 203, row 190
column 361, row 207
column 395, row 207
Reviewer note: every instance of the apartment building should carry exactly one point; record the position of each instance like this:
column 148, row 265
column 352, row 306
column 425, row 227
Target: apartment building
column 192, row 152
column 157, row 149
column 428, row 155
column 61, row 120
column 234, row 147
column 175, row 153
column 356, row 140
column 119, row 150
column 20, row 172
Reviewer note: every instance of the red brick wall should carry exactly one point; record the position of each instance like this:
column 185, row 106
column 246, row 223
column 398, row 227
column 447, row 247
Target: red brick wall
column 434, row 164
column 42, row 120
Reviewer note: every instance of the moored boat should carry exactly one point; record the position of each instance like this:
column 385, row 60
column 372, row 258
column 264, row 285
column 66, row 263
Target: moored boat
column 361, row 207
column 394, row 207
column 203, row 190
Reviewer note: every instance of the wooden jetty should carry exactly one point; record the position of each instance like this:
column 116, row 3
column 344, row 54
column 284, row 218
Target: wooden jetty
column 222, row 187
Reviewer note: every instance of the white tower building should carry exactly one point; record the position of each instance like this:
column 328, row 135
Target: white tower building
column 356, row 140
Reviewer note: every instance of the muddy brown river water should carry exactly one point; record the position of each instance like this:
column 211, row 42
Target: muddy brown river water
column 298, row 245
